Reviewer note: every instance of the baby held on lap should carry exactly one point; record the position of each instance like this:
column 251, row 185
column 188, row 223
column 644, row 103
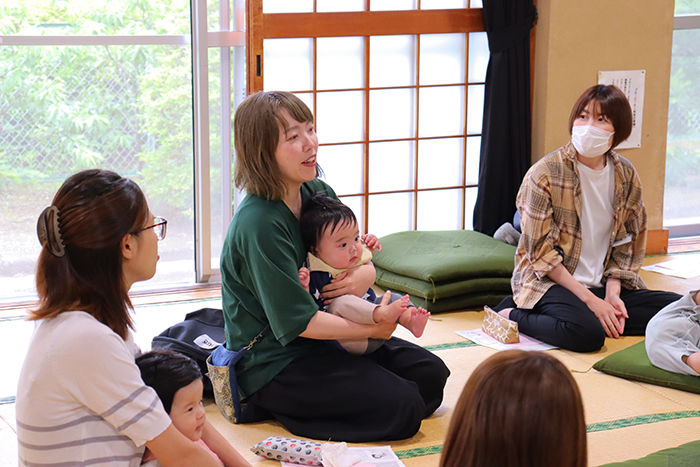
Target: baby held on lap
column 332, row 238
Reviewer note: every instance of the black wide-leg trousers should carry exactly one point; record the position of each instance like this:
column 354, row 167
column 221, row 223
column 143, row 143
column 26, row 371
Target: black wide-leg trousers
column 337, row 396
column 560, row 318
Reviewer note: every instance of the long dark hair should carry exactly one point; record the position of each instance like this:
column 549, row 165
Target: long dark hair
column 518, row 409
column 96, row 209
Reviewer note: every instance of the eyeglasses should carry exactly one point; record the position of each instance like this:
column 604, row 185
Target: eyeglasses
column 159, row 227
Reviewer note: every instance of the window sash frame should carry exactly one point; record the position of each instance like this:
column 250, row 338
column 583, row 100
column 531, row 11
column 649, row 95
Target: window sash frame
column 684, row 22
column 261, row 26
column 201, row 40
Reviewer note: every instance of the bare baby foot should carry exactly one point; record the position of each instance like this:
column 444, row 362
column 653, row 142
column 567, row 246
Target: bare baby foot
column 415, row 320
column 389, row 312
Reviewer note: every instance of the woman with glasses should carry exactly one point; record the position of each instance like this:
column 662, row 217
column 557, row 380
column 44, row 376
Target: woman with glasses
column 80, row 399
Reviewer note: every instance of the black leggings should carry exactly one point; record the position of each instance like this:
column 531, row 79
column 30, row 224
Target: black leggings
column 337, row 396
column 561, row 319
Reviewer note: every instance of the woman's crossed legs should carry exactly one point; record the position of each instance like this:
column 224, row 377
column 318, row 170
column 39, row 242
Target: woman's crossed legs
column 562, row 319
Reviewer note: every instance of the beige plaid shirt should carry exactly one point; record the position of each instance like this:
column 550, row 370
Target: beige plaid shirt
column 549, row 203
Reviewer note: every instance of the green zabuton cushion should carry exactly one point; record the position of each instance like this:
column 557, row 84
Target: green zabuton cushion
column 459, row 302
column 685, row 455
column 433, row 291
column 633, row 363
column 447, row 255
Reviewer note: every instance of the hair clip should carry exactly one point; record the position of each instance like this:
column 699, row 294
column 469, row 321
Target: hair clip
column 47, row 230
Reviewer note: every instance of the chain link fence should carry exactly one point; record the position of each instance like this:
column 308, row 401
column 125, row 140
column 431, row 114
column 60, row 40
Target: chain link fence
column 76, row 111
column 682, row 187
column 683, row 122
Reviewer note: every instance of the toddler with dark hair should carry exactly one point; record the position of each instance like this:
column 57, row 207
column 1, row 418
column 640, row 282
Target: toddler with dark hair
column 177, row 380
column 332, row 238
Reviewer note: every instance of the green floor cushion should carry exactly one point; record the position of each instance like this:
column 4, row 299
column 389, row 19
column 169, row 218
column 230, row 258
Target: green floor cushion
column 459, row 302
column 447, row 255
column 431, row 290
column 685, row 455
column 633, row 363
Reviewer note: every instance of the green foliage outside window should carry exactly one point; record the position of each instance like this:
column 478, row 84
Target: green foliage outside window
column 683, row 144
column 124, row 108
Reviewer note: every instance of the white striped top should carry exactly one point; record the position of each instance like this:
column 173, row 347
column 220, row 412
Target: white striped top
column 80, row 398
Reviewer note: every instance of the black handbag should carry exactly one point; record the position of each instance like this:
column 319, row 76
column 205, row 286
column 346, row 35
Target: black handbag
column 197, row 336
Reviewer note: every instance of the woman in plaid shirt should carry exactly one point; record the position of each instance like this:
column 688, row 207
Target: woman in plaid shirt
column 584, row 230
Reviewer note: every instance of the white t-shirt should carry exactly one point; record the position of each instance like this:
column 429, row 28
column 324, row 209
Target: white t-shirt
column 80, row 398
column 597, row 195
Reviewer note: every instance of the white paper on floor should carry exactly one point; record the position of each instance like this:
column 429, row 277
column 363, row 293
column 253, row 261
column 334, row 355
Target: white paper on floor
column 685, row 266
column 478, row 336
column 375, row 456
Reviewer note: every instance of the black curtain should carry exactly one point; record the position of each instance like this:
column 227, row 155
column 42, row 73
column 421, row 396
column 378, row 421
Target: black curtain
column 505, row 141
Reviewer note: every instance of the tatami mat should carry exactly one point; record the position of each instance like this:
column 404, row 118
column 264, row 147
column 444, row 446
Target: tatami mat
column 625, row 419
column 637, row 441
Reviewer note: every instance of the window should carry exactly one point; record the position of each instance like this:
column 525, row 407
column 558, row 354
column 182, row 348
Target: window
column 94, row 84
column 147, row 89
column 109, row 84
column 682, row 187
column 218, row 40
column 398, row 98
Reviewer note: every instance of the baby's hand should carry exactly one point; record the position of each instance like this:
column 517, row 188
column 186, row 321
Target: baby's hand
column 304, row 278
column 372, row 242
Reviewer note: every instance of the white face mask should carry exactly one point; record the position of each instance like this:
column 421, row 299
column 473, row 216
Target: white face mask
column 590, row 141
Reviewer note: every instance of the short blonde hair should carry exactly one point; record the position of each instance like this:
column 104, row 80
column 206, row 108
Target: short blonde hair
column 256, row 129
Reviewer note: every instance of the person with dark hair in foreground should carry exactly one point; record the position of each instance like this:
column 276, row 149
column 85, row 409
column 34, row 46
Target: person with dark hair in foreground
column 518, row 409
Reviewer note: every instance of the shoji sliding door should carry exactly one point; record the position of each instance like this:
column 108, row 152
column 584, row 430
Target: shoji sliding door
column 397, row 91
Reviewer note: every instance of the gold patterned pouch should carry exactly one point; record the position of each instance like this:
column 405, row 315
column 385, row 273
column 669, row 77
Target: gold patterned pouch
column 223, row 380
column 500, row 328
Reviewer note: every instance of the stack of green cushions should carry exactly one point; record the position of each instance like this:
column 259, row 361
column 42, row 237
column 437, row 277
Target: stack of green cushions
column 445, row 270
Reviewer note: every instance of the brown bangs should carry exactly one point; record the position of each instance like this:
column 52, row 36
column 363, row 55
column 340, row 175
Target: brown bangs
column 613, row 104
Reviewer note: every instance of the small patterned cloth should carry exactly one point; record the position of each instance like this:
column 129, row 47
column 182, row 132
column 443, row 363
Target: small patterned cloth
column 500, row 328
column 291, row 450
